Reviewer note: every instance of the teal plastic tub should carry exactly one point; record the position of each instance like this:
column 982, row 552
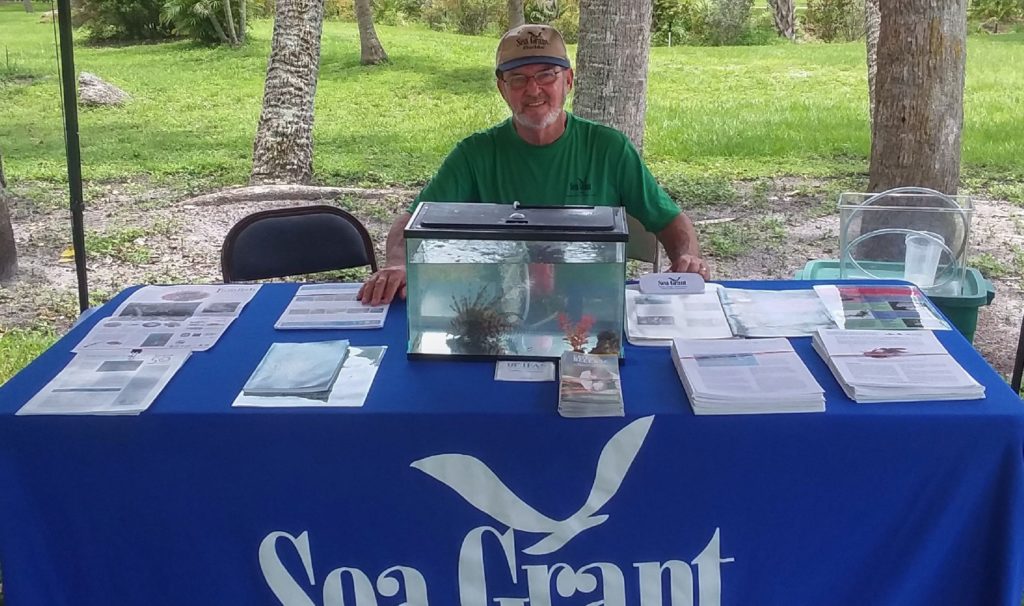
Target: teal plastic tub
column 962, row 309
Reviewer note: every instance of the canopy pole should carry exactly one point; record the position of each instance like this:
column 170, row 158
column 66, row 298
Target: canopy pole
column 67, row 72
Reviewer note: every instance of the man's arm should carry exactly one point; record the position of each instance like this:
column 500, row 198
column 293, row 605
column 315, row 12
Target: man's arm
column 680, row 241
column 390, row 279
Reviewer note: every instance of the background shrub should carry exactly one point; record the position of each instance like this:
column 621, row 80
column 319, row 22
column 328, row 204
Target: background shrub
column 834, row 20
column 195, row 18
column 115, row 20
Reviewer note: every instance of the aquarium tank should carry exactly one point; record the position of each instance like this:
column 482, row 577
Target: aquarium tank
column 501, row 281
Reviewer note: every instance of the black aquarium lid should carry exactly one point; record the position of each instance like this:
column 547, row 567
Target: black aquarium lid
column 483, row 221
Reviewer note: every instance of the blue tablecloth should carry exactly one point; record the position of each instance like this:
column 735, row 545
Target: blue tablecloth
column 450, row 488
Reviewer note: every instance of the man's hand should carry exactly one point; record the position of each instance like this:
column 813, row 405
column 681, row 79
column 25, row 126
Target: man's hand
column 381, row 287
column 691, row 264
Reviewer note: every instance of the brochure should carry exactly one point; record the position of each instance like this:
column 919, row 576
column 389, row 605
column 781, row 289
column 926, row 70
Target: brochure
column 880, row 308
column 589, row 385
column 185, row 317
column 330, row 306
column 107, row 383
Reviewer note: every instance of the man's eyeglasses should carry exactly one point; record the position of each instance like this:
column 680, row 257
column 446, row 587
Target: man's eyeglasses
column 519, row 81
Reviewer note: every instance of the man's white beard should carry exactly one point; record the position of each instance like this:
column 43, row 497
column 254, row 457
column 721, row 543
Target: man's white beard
column 538, row 123
column 544, row 121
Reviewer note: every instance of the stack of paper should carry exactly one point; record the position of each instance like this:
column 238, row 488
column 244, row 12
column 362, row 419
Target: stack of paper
column 589, row 386
column 745, row 377
column 891, row 366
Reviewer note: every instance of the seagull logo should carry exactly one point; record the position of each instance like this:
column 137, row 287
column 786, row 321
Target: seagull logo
column 481, row 488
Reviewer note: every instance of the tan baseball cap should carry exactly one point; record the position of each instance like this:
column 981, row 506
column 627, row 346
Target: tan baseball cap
column 531, row 43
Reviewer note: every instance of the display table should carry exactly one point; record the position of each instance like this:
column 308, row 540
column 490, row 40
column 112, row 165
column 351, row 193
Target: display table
column 448, row 488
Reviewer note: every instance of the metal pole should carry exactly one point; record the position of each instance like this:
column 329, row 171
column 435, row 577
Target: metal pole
column 67, row 73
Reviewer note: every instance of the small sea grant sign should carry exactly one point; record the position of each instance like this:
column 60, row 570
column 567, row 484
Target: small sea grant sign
column 672, row 284
column 488, row 558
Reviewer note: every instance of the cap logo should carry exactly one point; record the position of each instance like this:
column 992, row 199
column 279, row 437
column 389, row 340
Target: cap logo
column 532, row 41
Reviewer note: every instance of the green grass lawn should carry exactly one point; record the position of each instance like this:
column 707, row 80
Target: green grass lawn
column 732, row 111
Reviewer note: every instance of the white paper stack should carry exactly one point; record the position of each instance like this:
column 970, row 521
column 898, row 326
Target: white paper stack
column 894, row 366
column 745, row 377
column 589, row 386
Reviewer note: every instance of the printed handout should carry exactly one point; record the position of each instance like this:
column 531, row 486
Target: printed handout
column 107, row 383
column 330, row 306
column 774, row 313
column 655, row 319
column 186, row 317
column 880, row 308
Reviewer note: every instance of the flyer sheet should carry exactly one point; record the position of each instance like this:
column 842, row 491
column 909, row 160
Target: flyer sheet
column 185, row 317
column 880, row 308
column 330, row 306
column 656, row 319
column 107, row 383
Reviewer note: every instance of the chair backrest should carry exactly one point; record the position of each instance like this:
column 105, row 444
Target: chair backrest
column 293, row 241
column 642, row 245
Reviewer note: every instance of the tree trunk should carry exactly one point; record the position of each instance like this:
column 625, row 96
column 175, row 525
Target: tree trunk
column 8, row 252
column 371, row 52
column 784, row 16
column 28, row 6
column 515, row 13
column 241, row 21
column 918, row 116
column 611, row 79
column 217, row 28
column 232, row 36
column 283, row 149
column 872, row 20
column 919, row 95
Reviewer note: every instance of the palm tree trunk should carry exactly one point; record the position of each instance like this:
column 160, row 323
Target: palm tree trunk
column 283, row 148
column 371, row 52
column 784, row 16
column 231, row 22
column 872, row 21
column 241, row 20
column 8, row 251
column 217, row 28
column 919, row 95
column 611, row 82
column 28, row 6
column 515, row 13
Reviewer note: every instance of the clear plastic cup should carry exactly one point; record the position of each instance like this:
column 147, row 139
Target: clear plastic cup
column 922, row 257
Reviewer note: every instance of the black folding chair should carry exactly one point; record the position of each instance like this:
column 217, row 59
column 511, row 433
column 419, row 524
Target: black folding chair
column 1018, row 362
column 294, row 241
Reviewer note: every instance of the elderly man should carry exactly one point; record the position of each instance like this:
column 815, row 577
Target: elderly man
column 543, row 155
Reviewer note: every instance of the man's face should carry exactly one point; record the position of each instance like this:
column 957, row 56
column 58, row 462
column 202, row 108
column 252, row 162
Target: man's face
column 536, row 104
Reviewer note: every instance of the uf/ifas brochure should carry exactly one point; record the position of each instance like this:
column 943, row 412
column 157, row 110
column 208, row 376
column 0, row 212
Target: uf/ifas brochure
column 721, row 313
column 745, row 376
column 107, row 383
column 894, row 366
column 589, row 385
column 188, row 317
column 319, row 374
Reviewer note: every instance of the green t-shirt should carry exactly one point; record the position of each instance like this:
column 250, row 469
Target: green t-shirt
column 590, row 164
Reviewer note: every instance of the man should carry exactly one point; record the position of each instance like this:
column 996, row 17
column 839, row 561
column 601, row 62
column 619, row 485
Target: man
column 543, row 155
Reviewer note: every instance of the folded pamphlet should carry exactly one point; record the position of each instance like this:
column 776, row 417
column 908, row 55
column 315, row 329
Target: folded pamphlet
column 589, row 385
